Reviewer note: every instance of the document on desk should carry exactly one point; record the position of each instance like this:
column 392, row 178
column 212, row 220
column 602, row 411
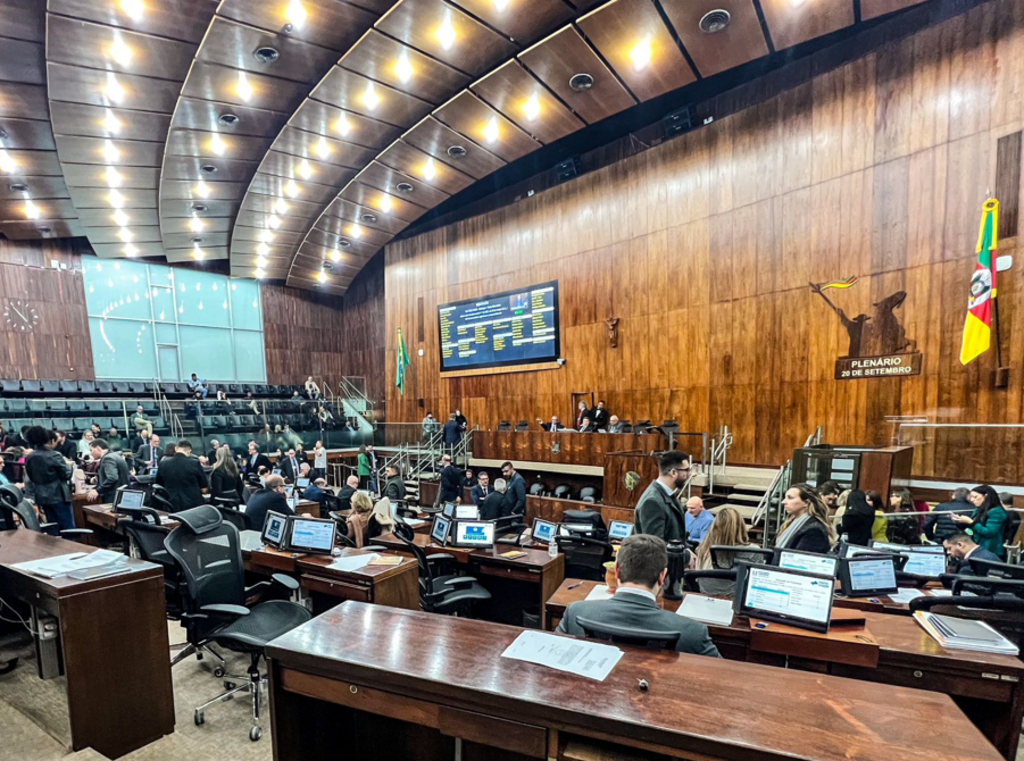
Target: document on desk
column 904, row 596
column 353, row 562
column 574, row 656
column 707, row 610
column 61, row 565
column 600, row 592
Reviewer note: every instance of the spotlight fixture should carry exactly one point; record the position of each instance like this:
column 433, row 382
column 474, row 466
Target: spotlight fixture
column 343, row 126
column 491, row 131
column 197, row 253
column 113, row 177
column 714, row 21
column 456, row 151
column 280, row 207
column 344, row 242
column 323, row 150
column 403, row 68
column 243, row 88
column 266, row 236
column 133, row 9
column 120, row 53
column 120, row 218
column 385, row 204
column 295, row 15
column 446, row 32
column 111, row 123
column 532, row 107
column 404, row 187
column 370, row 98
column 291, row 189
column 261, row 261
column 357, row 232
column 429, row 171
column 208, row 169
column 640, row 55
column 581, row 82
column 262, row 249
column 195, row 224
column 228, row 120
column 321, row 277
column 305, row 170
column 31, row 210
column 18, row 187
column 116, row 199
column 501, row 5
column 217, row 145
column 368, row 219
column 274, row 221
column 199, row 207
column 7, row 165
column 260, row 273
column 113, row 89
column 202, row 189
column 125, row 235
column 129, row 250
column 266, row 55
column 335, row 255
column 110, row 152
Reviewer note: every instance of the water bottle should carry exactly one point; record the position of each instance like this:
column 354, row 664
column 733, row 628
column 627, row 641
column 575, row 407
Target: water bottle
column 553, row 548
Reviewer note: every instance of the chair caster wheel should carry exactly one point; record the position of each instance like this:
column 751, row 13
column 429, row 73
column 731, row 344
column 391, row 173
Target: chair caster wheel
column 199, row 718
column 229, row 686
column 255, row 734
column 219, row 672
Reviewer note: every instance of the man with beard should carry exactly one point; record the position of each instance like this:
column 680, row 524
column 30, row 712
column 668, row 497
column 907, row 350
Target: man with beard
column 659, row 512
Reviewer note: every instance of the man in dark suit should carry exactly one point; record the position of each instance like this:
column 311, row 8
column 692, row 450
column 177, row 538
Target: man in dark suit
column 961, row 548
column 289, row 465
column 599, row 416
column 316, row 491
column 394, row 489
column 269, row 498
column 345, row 495
column 515, row 495
column 641, row 568
column 111, row 474
column 938, row 525
column 493, row 505
column 451, row 482
column 452, row 431
column 658, row 512
column 67, row 448
column 183, row 477
column 482, row 488
column 149, row 454
column 256, row 459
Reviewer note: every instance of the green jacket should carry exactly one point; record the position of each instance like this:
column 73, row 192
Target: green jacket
column 363, row 467
column 990, row 533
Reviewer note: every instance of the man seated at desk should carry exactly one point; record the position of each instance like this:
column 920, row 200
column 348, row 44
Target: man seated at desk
column 270, row 497
column 315, row 491
column 479, row 492
column 553, row 427
column 493, row 505
column 641, row 568
column 698, row 520
column 961, row 547
column 345, row 495
column 614, row 425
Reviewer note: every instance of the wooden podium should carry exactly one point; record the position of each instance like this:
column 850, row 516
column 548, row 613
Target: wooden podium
column 616, row 467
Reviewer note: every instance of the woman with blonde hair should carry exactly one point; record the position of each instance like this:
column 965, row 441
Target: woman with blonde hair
column 225, row 480
column 359, row 518
column 728, row 530
column 807, row 527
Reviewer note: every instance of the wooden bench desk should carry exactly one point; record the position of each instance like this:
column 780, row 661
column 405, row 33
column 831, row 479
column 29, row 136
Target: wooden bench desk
column 113, row 644
column 453, row 696
column 988, row 688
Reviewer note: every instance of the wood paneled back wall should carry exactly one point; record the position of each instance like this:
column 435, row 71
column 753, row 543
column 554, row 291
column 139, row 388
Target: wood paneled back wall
column 58, row 348
column 327, row 336
column 704, row 246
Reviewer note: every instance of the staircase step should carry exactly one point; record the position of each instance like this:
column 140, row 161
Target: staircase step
column 737, row 497
column 751, row 485
column 746, row 511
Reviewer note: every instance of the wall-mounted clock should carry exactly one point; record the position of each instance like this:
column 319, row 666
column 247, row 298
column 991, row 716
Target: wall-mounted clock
column 20, row 315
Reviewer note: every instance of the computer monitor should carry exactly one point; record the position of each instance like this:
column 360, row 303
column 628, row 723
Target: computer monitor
column 439, row 530
column 543, row 531
column 274, row 527
column 473, row 534
column 289, row 490
column 994, row 568
column 868, row 575
column 926, row 560
column 312, row 535
column 813, row 562
column 302, row 483
column 789, row 597
column 575, row 529
column 467, row 512
column 129, row 498
column 619, row 530
column 275, row 472
column 847, row 550
column 448, row 511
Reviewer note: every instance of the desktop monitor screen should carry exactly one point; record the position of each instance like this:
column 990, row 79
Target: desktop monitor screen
column 439, row 531
column 620, row 530
column 275, row 472
column 543, row 531
column 812, row 562
column 273, row 529
column 315, row 535
column 575, row 529
column 796, row 598
column 131, row 498
column 864, row 575
column 473, row 534
column 467, row 512
column 849, row 550
column 289, row 491
column 448, row 511
column 926, row 561
column 302, row 483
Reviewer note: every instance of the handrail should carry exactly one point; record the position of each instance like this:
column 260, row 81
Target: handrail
column 719, row 448
column 764, row 505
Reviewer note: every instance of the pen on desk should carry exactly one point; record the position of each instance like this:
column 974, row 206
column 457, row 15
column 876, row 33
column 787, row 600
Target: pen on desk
column 573, row 586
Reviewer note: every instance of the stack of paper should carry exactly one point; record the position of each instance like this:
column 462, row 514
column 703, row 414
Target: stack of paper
column 51, row 568
column 574, row 656
column 962, row 634
column 600, row 592
column 707, row 610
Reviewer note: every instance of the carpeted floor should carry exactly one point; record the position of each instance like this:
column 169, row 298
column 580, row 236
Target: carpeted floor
column 33, row 714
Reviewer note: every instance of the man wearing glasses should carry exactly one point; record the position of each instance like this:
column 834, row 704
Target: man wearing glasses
column 659, row 513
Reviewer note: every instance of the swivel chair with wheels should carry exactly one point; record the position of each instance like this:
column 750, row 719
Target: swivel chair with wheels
column 208, row 551
column 13, row 503
column 441, row 589
column 584, row 557
column 719, row 582
column 621, row 635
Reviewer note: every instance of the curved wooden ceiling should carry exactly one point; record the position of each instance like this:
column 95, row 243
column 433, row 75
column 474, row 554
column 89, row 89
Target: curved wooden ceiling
column 295, row 138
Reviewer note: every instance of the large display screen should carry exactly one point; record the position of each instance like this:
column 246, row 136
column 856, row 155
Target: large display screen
column 512, row 328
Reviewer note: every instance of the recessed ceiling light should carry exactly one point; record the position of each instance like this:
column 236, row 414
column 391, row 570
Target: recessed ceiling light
column 291, row 189
column 501, row 5
column 110, row 152
column 45, row 230
column 531, row 108
column 260, row 274
column 243, row 88
column 456, row 151
column 120, row 52
column 266, row 236
column 228, row 120
column 368, row 218
column 266, row 54
column 7, row 165
column 202, row 189
column 715, row 21
column 384, row 204
column 217, row 145
column 200, row 207
column 640, row 55
column 31, row 210
column 208, row 169
column 195, row 224
column 429, row 170
column 491, row 132
column 120, row 218
column 403, row 68
column 370, row 98
column 130, row 250
column 404, row 187
column 280, row 207
column 305, row 170
column 446, row 32
column 113, row 89
column 111, row 123
column 125, row 235
column 323, row 150
column 112, row 177
column 321, row 277
column 19, row 187
column 116, row 199
column 295, row 15
column 357, row 231
column 344, row 242
column 274, row 221
column 261, row 261
column 342, row 125
column 335, row 255
column 581, row 82
column 262, row 249
column 133, row 9
column 197, row 253
column 196, row 240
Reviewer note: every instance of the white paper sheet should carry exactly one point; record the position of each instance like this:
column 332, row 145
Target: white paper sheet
column 573, row 656
column 353, row 562
column 600, row 592
column 707, row 610
column 51, row 568
column 904, row 596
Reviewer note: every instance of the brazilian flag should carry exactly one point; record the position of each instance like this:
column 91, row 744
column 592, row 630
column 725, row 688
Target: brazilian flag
column 978, row 325
column 403, row 362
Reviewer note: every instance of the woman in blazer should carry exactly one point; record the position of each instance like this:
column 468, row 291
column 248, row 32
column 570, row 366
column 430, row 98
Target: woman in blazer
column 987, row 522
column 50, row 475
column 807, row 527
column 225, row 480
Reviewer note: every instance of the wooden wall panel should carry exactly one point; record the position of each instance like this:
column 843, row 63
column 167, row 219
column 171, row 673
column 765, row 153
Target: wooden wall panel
column 327, row 336
column 58, row 348
column 704, row 247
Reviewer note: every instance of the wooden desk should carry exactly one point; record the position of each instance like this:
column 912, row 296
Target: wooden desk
column 988, row 688
column 515, row 585
column 113, row 640
column 384, row 585
column 453, row 692
column 563, row 448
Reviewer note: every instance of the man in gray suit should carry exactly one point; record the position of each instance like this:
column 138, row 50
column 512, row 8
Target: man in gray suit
column 641, row 568
column 659, row 512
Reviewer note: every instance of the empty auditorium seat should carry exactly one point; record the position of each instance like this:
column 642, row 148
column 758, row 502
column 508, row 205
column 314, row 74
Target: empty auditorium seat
column 69, row 387
column 16, row 405
column 234, row 388
column 63, row 424
column 32, row 386
column 77, row 405
column 82, row 423
column 37, row 405
column 87, row 387
column 121, row 387
column 57, row 405
column 104, row 387
column 105, row 423
column 50, row 386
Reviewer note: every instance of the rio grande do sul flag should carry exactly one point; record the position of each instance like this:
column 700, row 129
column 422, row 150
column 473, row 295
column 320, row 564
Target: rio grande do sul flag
column 978, row 325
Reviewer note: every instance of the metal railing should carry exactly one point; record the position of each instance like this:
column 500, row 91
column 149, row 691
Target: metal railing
column 768, row 509
column 720, row 444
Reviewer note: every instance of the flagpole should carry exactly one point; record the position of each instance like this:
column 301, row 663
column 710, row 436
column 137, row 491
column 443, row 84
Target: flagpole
column 999, row 337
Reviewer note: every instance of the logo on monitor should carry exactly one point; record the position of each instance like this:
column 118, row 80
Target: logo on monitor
column 475, row 532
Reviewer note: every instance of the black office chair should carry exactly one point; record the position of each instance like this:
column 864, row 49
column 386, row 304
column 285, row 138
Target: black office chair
column 725, row 556
column 588, row 494
column 13, row 503
column 441, row 589
column 504, row 426
column 621, row 635
column 235, row 517
column 159, row 498
column 584, row 556
column 208, row 550
column 717, row 582
column 563, row 491
column 522, row 426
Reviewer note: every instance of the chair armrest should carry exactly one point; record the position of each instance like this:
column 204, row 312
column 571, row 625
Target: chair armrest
column 76, row 532
column 439, row 556
column 462, row 582
column 226, row 610
column 285, row 581
column 375, row 548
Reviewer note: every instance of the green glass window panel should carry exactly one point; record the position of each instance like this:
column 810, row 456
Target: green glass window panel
column 166, row 334
column 123, row 349
column 202, row 299
column 117, row 289
column 250, row 357
column 207, row 352
column 246, row 310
